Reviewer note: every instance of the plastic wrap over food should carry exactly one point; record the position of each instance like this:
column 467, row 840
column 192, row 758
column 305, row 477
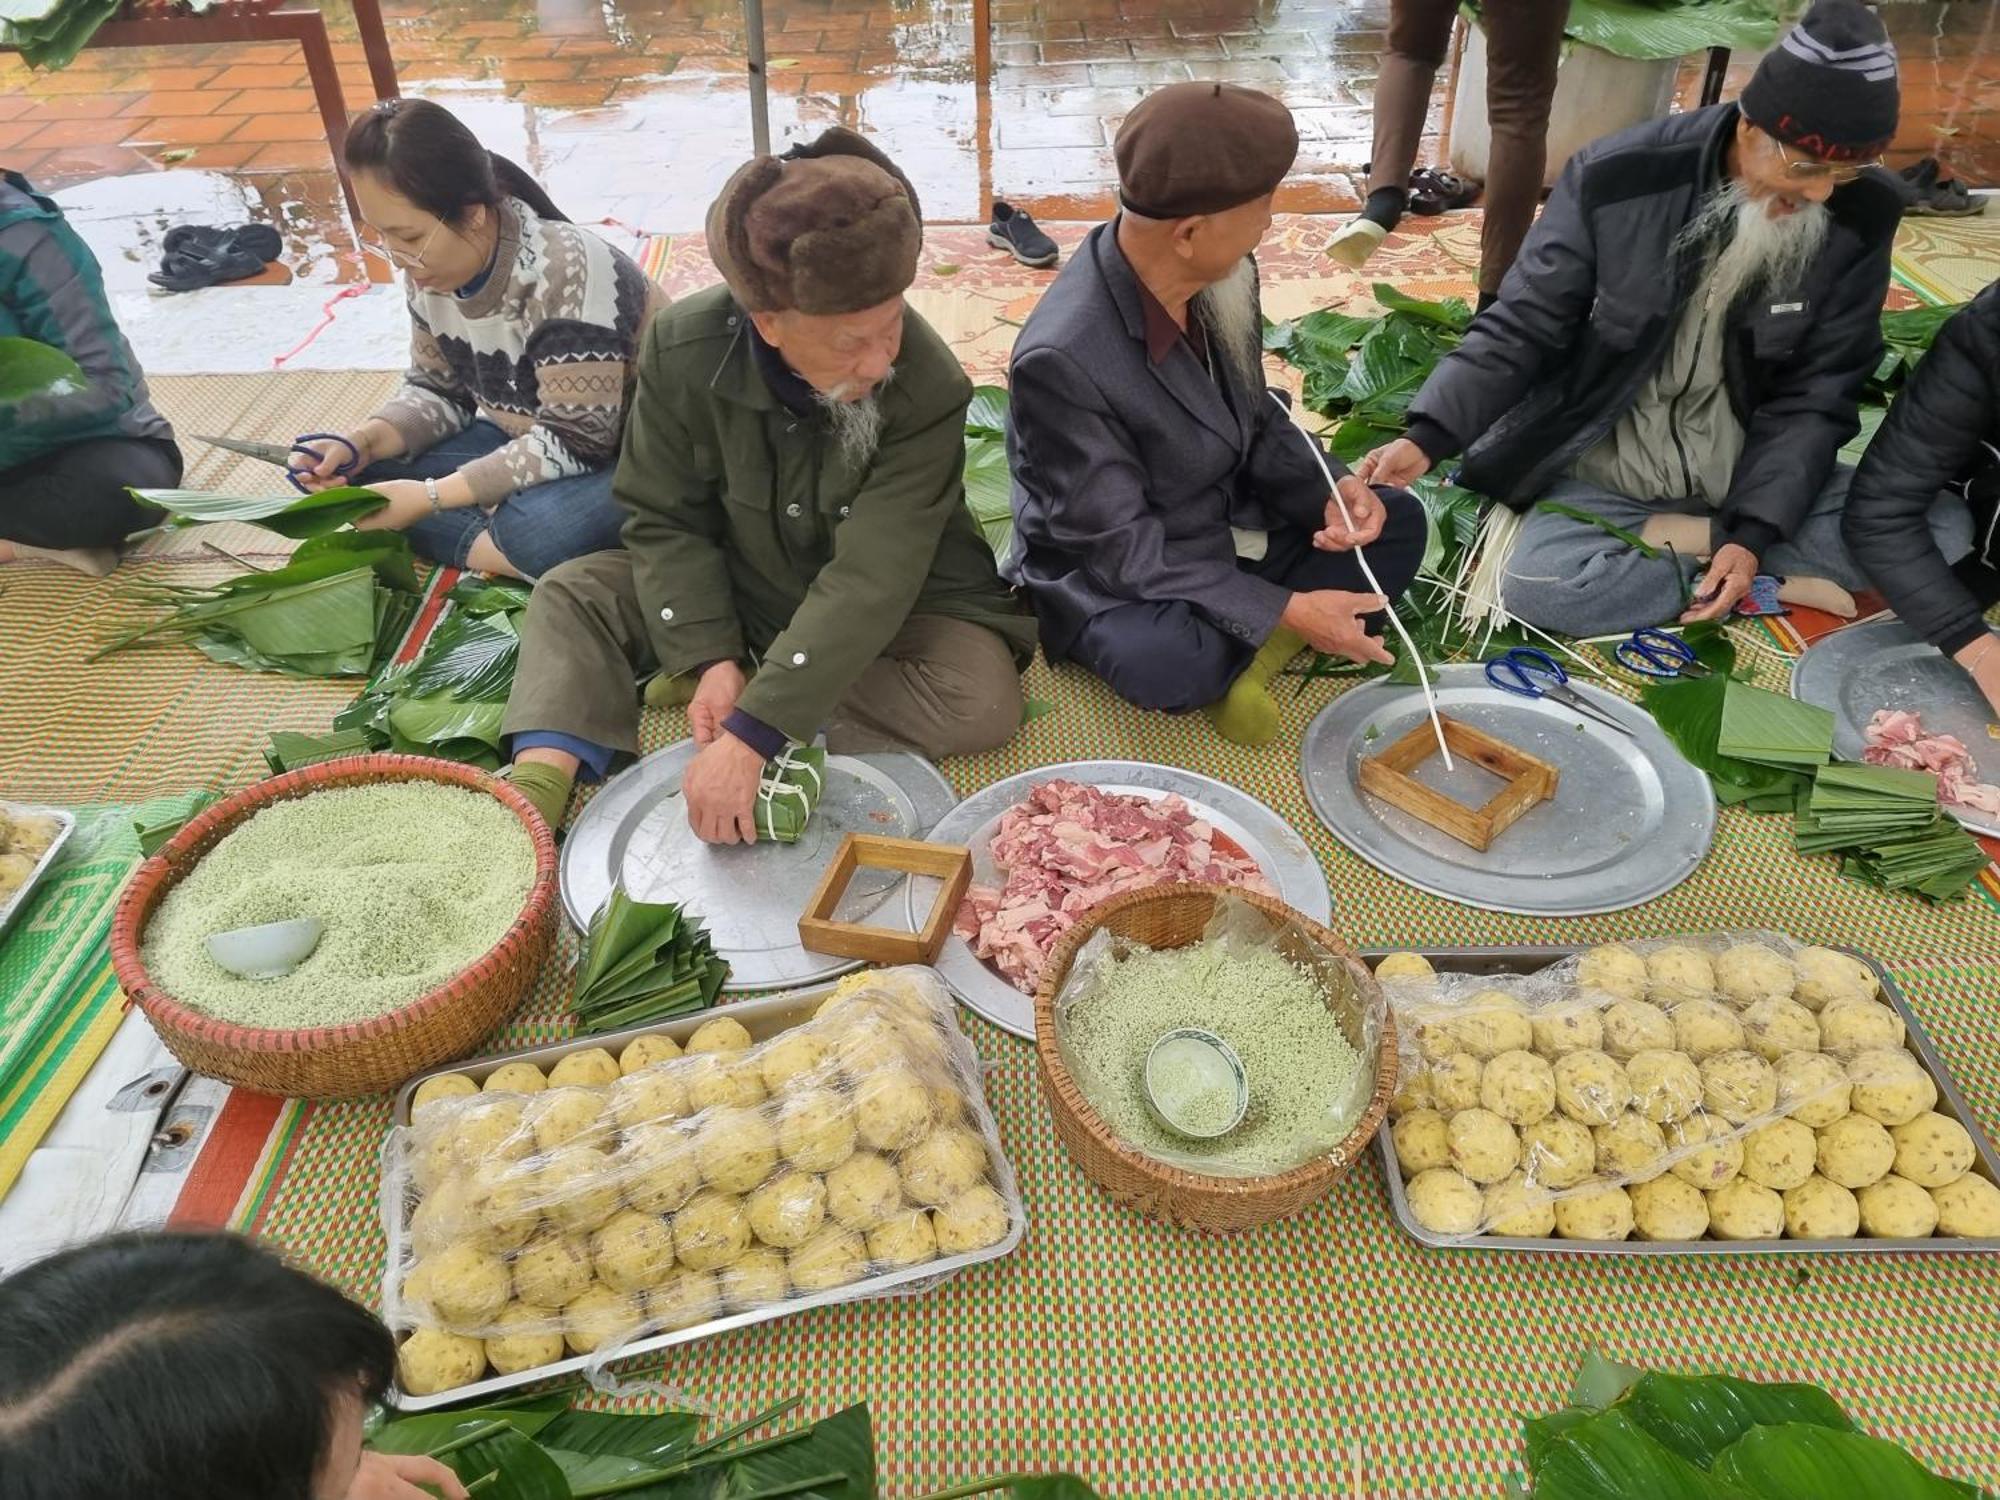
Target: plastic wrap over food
column 1305, row 1022
column 1733, row 1086
column 545, row 1216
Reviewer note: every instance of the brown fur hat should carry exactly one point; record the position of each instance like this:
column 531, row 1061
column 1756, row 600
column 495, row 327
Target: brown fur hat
column 830, row 227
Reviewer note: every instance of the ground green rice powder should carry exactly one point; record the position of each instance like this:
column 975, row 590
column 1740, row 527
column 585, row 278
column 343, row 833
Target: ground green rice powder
column 414, row 881
column 1302, row 1069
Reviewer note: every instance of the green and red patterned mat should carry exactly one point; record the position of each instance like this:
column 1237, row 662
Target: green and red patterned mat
column 1327, row 1356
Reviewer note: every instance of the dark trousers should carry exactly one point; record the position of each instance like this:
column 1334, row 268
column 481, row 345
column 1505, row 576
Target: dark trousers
column 1166, row 654
column 1523, row 48
column 75, row 496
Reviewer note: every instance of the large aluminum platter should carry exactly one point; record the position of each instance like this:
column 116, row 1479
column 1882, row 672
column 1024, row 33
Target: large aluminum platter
column 1885, row 664
column 14, row 905
column 1630, row 820
column 1950, row 1103
column 1273, row 843
column 749, row 895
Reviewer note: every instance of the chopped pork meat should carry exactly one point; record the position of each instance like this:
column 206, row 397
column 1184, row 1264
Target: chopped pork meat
column 1068, row 847
column 1896, row 738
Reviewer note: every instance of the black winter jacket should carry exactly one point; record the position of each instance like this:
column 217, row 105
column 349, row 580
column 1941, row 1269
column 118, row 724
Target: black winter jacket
column 1943, row 432
column 1590, row 307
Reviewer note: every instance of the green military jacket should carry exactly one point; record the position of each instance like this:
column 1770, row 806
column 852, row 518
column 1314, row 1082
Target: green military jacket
column 753, row 539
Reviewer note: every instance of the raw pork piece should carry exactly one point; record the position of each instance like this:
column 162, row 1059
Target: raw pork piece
column 1896, row 737
column 1068, row 847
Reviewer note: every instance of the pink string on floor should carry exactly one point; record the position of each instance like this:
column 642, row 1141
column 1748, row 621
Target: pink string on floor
column 325, row 321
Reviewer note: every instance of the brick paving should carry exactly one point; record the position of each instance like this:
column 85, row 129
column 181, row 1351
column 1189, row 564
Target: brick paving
column 636, row 109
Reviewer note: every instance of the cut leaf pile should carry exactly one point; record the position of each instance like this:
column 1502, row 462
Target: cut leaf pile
column 644, row 962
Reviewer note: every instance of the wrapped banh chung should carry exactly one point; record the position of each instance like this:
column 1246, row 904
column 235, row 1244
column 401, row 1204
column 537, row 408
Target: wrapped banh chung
column 614, row 1198
column 1731, row 1087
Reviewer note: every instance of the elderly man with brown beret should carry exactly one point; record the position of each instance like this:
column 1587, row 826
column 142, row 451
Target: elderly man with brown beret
column 1172, row 526
column 797, row 547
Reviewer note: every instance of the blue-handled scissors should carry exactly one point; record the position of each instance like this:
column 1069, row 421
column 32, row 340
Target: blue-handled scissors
column 281, row 454
column 1656, row 653
column 1528, row 673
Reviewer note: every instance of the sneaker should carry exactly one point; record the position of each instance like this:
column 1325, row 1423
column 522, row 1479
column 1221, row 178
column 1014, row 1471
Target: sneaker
column 1355, row 242
column 1017, row 234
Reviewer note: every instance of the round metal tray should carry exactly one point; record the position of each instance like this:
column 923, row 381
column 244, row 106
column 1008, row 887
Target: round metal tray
column 1273, row 843
column 749, row 896
column 1630, row 819
column 1885, row 664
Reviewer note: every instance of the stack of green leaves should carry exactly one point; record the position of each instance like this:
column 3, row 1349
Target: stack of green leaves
column 789, row 792
column 1366, row 371
column 1773, row 729
column 448, row 702
column 335, row 609
column 1633, row 1435
column 537, row 1448
column 1659, row 30
column 295, row 516
column 1886, row 825
column 989, row 486
column 643, row 961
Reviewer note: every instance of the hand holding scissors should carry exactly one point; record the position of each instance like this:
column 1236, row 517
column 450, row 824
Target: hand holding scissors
column 324, row 464
column 1528, row 673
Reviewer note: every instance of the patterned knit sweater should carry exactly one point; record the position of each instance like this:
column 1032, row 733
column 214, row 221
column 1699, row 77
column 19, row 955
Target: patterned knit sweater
column 544, row 350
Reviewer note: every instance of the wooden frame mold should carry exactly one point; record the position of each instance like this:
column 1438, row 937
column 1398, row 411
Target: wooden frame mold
column 949, row 863
column 1529, row 781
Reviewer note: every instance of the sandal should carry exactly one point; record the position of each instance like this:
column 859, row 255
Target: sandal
column 200, row 255
column 1925, row 196
column 1434, row 191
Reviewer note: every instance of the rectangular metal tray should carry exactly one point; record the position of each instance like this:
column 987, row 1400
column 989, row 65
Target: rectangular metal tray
column 1526, row 960
column 18, row 902
column 763, row 1019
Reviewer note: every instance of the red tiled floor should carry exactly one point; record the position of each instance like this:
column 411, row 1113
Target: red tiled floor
column 178, row 102
column 266, row 101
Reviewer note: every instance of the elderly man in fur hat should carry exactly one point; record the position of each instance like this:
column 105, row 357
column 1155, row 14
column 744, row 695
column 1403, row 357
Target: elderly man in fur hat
column 797, row 549
column 1172, row 526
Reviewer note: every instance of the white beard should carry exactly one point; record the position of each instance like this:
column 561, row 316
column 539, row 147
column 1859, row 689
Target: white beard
column 857, row 425
column 1228, row 310
column 1763, row 250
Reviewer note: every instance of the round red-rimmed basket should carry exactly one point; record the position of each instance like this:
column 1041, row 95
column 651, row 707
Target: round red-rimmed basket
column 361, row 1057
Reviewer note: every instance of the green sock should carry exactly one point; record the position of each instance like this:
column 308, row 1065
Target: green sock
column 545, row 786
column 663, row 691
column 1247, row 714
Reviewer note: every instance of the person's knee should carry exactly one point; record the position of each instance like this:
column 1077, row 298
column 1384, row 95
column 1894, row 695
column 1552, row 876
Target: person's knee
column 978, row 699
column 1398, row 553
column 1173, row 679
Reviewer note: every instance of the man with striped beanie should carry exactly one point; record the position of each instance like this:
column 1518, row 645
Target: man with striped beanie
column 1675, row 357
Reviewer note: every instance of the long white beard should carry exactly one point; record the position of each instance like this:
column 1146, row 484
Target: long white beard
column 1763, row 250
column 857, row 425
column 1228, row 310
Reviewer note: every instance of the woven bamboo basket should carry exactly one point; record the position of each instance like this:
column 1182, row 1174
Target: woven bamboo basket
column 1172, row 917
column 363, row 1057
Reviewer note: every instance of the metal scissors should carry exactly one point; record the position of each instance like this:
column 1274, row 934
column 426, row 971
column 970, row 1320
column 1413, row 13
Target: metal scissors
column 1528, row 673
column 1657, row 653
column 281, row 454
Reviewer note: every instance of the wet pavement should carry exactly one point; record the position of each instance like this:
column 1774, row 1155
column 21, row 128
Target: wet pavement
column 635, row 110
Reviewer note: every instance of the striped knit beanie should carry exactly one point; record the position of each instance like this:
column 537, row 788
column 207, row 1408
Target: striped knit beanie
column 1828, row 89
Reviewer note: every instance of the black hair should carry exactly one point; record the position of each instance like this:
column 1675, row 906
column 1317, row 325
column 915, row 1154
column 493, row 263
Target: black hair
column 177, row 1366
column 429, row 156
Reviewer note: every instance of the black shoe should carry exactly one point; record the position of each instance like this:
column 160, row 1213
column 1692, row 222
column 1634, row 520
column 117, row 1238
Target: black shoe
column 1013, row 231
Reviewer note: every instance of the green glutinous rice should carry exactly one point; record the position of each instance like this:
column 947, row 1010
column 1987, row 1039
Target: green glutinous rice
column 413, row 880
column 1301, row 1066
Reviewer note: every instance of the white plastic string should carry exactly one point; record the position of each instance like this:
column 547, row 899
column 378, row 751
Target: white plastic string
column 1588, row 665
column 1416, row 656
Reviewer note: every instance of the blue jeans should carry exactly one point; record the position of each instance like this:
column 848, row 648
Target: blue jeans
column 535, row 529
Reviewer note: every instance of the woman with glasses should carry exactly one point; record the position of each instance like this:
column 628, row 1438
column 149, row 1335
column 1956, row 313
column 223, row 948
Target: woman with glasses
column 1940, row 445
column 497, row 452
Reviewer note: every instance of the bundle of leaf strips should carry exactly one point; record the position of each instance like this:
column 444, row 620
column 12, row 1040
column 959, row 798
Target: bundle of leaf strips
column 644, row 961
column 447, row 703
column 1886, row 825
column 537, row 1448
column 1633, row 1435
column 789, row 793
column 335, row 609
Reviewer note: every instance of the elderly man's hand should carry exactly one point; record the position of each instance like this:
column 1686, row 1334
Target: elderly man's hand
column 1730, row 574
column 720, row 789
column 395, row 1476
column 1364, row 505
column 714, row 700
column 1332, row 620
column 1396, row 465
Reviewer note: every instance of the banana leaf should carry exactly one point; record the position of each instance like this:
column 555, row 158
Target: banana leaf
column 485, row 596
column 1321, row 337
column 987, row 415
column 1454, row 313
column 643, row 961
column 54, row 40
column 989, row 490
column 1800, row 1462
column 1689, row 711
column 839, row 1452
column 1652, row 30
column 1698, row 1416
column 288, row 751
column 442, row 721
column 296, row 516
column 154, row 834
column 1391, row 366
column 1454, row 517
column 229, row 650
column 789, row 793
column 1357, row 436
column 520, row 1469
column 659, row 1438
column 1773, row 728
column 328, row 615
column 469, row 657
column 1609, row 1456
column 30, row 368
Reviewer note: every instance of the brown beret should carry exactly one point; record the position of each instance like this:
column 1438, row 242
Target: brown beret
column 1200, row 148
column 830, row 227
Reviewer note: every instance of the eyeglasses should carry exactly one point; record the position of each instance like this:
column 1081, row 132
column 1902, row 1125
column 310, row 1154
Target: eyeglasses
column 1807, row 170
column 372, row 239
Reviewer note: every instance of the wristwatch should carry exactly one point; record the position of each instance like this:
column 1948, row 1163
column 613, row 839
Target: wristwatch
column 431, row 489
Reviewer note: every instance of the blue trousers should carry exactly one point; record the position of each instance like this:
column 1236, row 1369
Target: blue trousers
column 536, row 529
